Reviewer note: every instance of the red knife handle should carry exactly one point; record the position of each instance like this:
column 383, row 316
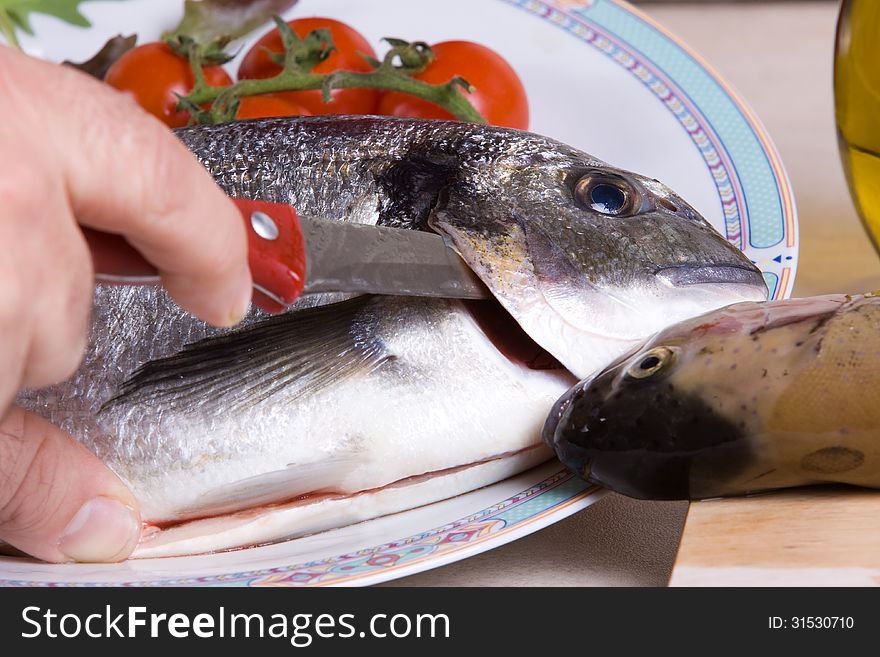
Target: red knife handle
column 276, row 253
column 116, row 261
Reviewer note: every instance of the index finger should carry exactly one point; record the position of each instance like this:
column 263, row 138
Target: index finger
column 127, row 174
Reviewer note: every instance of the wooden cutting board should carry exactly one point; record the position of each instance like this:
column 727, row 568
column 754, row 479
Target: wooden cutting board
column 818, row 537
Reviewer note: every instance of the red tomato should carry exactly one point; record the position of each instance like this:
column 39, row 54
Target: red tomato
column 263, row 107
column 257, row 65
column 499, row 96
column 153, row 74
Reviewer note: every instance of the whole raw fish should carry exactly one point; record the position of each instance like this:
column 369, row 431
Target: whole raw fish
column 748, row 398
column 348, row 410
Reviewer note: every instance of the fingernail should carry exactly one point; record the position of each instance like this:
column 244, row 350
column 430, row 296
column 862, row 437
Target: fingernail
column 241, row 309
column 102, row 530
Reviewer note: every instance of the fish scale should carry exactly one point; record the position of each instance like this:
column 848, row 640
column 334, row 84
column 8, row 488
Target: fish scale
column 846, row 361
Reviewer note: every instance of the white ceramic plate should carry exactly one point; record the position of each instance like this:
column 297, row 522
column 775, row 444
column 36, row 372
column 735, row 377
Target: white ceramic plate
column 601, row 77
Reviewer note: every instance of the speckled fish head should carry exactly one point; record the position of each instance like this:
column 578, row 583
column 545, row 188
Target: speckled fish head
column 590, row 259
column 675, row 417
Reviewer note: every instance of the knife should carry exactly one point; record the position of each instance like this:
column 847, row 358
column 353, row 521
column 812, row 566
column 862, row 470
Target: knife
column 291, row 255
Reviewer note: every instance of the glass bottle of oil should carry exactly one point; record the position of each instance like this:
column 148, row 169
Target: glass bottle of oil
column 857, row 105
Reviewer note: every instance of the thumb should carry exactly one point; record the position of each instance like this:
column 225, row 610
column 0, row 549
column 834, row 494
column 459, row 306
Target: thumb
column 58, row 502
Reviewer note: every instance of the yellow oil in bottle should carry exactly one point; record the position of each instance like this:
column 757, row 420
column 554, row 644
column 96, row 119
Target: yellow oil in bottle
column 857, row 106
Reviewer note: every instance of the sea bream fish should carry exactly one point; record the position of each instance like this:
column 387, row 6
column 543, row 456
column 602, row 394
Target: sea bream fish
column 745, row 399
column 358, row 407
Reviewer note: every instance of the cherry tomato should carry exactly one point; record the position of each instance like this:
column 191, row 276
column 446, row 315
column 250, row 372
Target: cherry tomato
column 263, row 107
column 348, row 43
column 153, row 74
column 499, row 96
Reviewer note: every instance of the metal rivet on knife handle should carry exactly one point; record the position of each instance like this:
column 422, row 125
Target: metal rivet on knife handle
column 275, row 252
column 264, row 226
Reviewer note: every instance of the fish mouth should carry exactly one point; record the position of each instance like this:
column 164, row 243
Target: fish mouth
column 553, row 434
column 508, row 337
column 685, row 275
column 559, row 411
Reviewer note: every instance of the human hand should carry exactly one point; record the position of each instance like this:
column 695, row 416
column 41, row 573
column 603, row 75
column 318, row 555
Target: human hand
column 73, row 153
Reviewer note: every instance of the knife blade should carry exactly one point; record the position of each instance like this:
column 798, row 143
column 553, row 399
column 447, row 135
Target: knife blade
column 290, row 255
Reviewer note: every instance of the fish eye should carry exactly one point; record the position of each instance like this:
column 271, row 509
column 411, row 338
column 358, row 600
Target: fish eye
column 606, row 194
column 650, row 363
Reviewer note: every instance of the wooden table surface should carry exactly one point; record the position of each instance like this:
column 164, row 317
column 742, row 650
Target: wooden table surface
column 778, row 56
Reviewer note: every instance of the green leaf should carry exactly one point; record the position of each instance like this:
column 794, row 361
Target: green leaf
column 208, row 20
column 16, row 14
